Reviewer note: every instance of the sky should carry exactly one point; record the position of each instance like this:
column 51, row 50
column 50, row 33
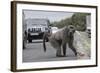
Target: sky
column 51, row 15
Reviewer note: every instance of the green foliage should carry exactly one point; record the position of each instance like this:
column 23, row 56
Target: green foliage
column 62, row 23
column 77, row 19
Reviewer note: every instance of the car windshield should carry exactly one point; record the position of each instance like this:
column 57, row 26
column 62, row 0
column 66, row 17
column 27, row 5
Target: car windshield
column 43, row 24
column 39, row 24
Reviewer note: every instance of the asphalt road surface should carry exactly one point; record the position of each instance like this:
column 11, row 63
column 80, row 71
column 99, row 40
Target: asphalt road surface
column 34, row 53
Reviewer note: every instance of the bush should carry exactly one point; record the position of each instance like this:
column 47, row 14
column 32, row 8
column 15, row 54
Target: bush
column 77, row 19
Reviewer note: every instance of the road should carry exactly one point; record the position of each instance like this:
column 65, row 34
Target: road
column 35, row 53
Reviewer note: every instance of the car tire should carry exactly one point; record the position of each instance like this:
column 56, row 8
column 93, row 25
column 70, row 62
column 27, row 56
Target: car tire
column 24, row 46
column 30, row 41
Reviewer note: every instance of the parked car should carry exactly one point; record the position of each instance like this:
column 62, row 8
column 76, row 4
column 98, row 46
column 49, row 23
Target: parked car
column 54, row 29
column 88, row 25
column 36, row 28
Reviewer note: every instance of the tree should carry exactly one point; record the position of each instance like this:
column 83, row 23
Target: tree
column 62, row 23
column 79, row 20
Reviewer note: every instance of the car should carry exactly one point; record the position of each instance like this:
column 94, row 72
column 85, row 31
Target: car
column 36, row 28
column 88, row 25
column 54, row 29
column 89, row 32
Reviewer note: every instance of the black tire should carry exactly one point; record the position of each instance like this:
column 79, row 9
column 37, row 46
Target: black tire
column 89, row 35
column 30, row 41
column 23, row 46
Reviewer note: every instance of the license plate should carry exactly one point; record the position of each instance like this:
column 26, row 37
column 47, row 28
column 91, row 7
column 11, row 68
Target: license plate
column 34, row 34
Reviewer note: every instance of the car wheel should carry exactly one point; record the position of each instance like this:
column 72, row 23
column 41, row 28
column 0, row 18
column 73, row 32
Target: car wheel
column 30, row 41
column 23, row 46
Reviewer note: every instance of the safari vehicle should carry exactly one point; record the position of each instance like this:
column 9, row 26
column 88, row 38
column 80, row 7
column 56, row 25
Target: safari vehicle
column 36, row 28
